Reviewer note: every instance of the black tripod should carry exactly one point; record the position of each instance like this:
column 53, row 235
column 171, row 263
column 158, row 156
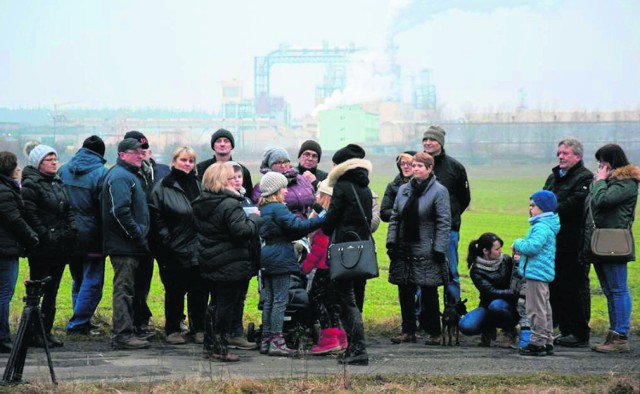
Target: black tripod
column 31, row 325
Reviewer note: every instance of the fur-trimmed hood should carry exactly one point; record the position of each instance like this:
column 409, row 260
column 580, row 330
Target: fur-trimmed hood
column 352, row 164
column 627, row 172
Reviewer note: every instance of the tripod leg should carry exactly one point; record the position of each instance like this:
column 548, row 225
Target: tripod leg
column 39, row 322
column 15, row 364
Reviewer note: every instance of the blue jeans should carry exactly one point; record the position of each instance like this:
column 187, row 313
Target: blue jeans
column 452, row 289
column 499, row 313
column 613, row 281
column 8, row 279
column 276, row 296
column 88, row 288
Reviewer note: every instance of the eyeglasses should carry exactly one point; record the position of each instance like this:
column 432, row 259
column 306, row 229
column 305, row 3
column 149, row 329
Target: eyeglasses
column 135, row 152
column 281, row 163
column 51, row 160
column 309, row 155
column 405, row 164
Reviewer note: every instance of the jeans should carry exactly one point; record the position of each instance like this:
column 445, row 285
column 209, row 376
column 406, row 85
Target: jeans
column 124, row 273
column 8, row 278
column 613, row 281
column 237, row 328
column 178, row 282
column 87, row 288
column 499, row 313
column 452, row 289
column 276, row 296
column 40, row 268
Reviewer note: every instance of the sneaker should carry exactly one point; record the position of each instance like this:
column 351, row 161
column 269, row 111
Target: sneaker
column 131, row 343
column 84, row 331
column 404, row 338
column 533, row 350
column 525, row 336
column 144, row 332
column 571, row 341
column 176, row 338
column 198, row 338
column 433, row 340
column 508, row 340
column 241, row 343
column 615, row 343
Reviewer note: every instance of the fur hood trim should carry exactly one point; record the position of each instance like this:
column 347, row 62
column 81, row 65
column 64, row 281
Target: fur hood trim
column 627, row 172
column 351, row 164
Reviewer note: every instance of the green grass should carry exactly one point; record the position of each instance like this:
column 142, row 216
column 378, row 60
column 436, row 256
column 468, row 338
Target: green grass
column 499, row 204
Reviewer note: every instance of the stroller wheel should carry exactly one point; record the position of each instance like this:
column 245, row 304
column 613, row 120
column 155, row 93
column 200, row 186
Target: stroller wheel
column 251, row 332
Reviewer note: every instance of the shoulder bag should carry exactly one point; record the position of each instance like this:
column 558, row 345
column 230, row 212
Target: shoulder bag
column 353, row 259
column 611, row 245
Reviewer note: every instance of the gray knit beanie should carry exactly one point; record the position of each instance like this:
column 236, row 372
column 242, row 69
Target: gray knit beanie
column 274, row 155
column 271, row 183
column 38, row 153
column 435, row 133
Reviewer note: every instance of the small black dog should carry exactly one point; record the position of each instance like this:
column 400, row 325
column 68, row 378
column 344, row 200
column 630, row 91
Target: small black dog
column 450, row 319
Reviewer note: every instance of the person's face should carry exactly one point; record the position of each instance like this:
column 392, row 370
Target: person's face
column 147, row 154
column 281, row 166
column 494, row 253
column 184, row 162
column 282, row 194
column 308, row 159
column 420, row 172
column 534, row 210
column 49, row 164
column 222, row 146
column 132, row 156
column 566, row 157
column 431, row 146
column 405, row 167
column 237, row 179
column 17, row 172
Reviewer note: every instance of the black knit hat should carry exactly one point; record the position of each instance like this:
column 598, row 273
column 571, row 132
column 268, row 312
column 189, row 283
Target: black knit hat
column 310, row 145
column 351, row 151
column 223, row 133
column 135, row 134
column 95, row 144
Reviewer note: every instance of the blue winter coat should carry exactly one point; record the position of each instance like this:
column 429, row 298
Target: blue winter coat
column 279, row 228
column 82, row 179
column 538, row 248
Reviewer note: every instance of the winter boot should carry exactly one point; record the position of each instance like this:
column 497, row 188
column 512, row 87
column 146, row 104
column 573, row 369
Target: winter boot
column 327, row 343
column 220, row 351
column 615, row 343
column 342, row 337
column 278, row 346
column 357, row 355
column 525, row 335
column 265, row 341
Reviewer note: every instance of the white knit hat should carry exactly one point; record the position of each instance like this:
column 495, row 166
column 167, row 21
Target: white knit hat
column 271, row 183
column 38, row 153
column 323, row 187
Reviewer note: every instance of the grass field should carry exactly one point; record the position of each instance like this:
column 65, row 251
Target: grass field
column 499, row 204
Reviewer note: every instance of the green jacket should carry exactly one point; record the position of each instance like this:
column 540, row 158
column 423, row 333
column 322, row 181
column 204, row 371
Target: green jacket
column 612, row 202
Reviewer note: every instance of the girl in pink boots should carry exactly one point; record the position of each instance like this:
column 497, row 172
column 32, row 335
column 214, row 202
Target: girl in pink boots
column 332, row 338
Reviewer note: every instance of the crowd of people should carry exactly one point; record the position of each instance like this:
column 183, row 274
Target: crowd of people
column 211, row 231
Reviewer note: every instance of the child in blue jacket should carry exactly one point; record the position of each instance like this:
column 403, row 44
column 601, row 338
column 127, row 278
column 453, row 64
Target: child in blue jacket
column 278, row 258
column 537, row 266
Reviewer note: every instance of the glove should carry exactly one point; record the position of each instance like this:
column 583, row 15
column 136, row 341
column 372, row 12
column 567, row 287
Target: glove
column 319, row 209
column 439, row 257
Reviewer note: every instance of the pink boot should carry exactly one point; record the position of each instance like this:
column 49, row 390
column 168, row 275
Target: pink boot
column 342, row 337
column 327, row 343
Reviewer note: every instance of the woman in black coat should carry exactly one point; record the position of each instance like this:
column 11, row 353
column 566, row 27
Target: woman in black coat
column 48, row 212
column 344, row 217
column 15, row 235
column 227, row 256
column 175, row 242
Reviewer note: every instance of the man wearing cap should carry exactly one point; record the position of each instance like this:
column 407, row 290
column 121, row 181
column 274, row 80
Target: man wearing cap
column 570, row 293
column 82, row 178
column 222, row 143
column 309, row 156
column 125, row 221
column 452, row 175
column 153, row 172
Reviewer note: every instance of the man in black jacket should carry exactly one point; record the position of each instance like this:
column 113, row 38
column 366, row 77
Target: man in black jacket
column 452, row 175
column 570, row 294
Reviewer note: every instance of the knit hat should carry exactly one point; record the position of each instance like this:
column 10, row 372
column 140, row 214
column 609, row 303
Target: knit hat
column 435, row 133
column 274, row 155
column 271, row 183
column 129, row 144
column 38, row 153
column 351, row 151
column 545, row 200
column 323, row 187
column 220, row 133
column 310, row 145
column 95, row 144
column 144, row 142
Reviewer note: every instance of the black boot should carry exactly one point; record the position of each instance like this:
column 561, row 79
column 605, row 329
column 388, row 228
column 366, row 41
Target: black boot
column 355, row 355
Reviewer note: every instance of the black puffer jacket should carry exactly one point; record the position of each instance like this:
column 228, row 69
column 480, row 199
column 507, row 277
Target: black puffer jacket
column 571, row 190
column 173, row 233
column 48, row 212
column 247, row 183
column 344, row 215
column 15, row 233
column 452, row 175
column 390, row 193
column 492, row 280
column 228, row 241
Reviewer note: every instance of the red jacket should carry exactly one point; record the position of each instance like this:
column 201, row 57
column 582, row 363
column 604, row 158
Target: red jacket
column 317, row 257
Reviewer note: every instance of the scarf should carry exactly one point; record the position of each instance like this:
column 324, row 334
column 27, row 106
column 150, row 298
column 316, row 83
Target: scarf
column 488, row 265
column 188, row 183
column 411, row 212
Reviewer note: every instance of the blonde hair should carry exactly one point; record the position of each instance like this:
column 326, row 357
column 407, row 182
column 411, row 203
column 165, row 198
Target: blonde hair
column 183, row 149
column 405, row 156
column 275, row 197
column 216, row 177
column 323, row 199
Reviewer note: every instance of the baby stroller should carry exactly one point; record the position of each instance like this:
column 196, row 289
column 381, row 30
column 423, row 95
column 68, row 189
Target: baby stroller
column 300, row 331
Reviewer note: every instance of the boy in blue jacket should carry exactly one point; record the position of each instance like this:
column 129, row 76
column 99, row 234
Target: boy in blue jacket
column 537, row 266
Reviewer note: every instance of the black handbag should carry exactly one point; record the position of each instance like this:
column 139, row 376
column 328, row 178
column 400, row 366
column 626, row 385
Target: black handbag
column 611, row 245
column 353, row 259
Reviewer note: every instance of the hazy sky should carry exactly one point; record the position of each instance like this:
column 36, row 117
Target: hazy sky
column 565, row 54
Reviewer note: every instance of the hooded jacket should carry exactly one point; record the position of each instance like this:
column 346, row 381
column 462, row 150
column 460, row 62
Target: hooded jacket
column 300, row 193
column 613, row 203
column 538, row 248
column 15, row 233
column 452, row 175
column 82, row 178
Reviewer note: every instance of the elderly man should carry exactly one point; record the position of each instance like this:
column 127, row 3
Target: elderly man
column 222, row 143
column 125, row 224
column 570, row 181
column 308, row 158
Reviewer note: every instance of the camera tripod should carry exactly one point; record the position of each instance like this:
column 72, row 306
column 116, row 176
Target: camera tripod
column 31, row 325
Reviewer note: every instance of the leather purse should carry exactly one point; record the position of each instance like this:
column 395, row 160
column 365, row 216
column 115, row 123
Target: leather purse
column 611, row 245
